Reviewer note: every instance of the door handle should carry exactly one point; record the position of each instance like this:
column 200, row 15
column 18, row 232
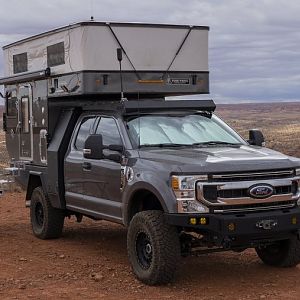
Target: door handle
column 86, row 166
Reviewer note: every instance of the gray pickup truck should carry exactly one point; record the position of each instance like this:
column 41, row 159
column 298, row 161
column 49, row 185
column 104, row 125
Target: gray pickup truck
column 181, row 180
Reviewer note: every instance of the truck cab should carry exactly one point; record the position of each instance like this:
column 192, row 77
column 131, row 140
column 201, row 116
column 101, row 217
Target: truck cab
column 189, row 171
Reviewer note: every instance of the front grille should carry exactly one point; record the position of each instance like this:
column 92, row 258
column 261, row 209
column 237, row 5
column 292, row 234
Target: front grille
column 255, row 206
column 241, row 193
column 246, row 176
column 231, row 192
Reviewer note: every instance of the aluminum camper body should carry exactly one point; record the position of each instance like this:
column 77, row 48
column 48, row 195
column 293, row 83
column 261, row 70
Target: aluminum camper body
column 77, row 64
column 160, row 59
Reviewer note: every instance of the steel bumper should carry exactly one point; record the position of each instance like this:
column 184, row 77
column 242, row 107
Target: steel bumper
column 248, row 228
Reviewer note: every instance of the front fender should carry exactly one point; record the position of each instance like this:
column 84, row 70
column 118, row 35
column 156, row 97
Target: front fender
column 159, row 188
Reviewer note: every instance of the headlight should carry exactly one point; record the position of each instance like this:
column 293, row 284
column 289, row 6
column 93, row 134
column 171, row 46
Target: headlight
column 297, row 172
column 181, row 183
column 184, row 190
column 191, row 206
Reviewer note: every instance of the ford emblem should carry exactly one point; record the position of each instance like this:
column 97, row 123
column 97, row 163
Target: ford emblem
column 261, row 191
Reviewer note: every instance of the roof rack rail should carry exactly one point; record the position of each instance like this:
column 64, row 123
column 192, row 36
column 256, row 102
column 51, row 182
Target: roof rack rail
column 144, row 106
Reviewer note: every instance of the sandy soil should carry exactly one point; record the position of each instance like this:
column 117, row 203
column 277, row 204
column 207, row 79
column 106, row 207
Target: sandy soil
column 90, row 262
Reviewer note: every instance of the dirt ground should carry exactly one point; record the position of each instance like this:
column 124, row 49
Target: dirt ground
column 90, row 260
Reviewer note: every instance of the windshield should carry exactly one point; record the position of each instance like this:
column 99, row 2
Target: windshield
column 183, row 130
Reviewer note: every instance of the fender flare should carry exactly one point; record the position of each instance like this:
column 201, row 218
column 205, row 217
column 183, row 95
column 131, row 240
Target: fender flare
column 133, row 190
column 35, row 179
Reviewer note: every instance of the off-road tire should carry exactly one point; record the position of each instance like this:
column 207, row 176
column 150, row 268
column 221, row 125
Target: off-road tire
column 165, row 245
column 284, row 253
column 46, row 221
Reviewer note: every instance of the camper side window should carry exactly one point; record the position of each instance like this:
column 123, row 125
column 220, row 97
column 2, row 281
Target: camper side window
column 20, row 63
column 56, row 54
column 83, row 132
column 11, row 105
column 25, row 114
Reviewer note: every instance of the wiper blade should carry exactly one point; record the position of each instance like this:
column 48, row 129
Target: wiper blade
column 174, row 145
column 165, row 145
column 213, row 143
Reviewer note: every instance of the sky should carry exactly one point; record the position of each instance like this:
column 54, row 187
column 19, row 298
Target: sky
column 254, row 47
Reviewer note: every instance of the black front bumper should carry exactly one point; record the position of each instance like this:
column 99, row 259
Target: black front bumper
column 243, row 229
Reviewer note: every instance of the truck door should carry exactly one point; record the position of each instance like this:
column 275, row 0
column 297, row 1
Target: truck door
column 74, row 164
column 102, row 178
column 25, row 122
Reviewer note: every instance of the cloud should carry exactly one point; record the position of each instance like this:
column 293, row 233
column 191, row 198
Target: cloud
column 254, row 45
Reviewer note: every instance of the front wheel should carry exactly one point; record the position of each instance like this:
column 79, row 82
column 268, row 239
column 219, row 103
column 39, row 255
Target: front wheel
column 47, row 222
column 153, row 248
column 284, row 253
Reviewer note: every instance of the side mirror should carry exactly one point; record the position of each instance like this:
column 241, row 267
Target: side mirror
column 256, row 138
column 93, row 147
column 117, row 157
column 117, row 148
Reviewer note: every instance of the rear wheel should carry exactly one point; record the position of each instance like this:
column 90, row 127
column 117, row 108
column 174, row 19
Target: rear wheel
column 47, row 222
column 284, row 253
column 153, row 248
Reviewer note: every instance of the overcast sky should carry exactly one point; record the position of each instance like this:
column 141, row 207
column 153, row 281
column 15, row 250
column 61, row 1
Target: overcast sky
column 254, row 45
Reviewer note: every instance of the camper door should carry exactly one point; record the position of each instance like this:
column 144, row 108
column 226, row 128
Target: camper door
column 25, row 122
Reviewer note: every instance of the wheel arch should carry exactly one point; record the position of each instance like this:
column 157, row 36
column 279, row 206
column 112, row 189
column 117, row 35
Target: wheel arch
column 35, row 180
column 142, row 198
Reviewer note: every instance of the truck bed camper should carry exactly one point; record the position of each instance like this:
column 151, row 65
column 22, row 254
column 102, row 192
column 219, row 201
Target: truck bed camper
column 90, row 134
column 77, row 64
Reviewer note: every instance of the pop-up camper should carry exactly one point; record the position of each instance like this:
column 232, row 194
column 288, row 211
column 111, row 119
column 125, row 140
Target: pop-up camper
column 79, row 62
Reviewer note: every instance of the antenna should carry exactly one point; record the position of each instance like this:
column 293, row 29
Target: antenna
column 92, row 10
column 120, row 58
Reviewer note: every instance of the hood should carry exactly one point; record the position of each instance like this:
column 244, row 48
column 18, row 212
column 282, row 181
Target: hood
column 218, row 159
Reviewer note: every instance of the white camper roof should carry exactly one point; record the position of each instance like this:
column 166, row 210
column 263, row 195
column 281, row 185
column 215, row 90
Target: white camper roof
column 91, row 46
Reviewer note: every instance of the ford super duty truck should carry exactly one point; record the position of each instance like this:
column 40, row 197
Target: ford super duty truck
column 177, row 176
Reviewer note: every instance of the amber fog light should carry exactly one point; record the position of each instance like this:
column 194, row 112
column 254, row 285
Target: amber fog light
column 203, row 221
column 193, row 221
column 294, row 220
column 231, row 227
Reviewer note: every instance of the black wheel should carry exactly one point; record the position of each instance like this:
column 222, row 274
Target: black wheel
column 47, row 222
column 153, row 248
column 284, row 253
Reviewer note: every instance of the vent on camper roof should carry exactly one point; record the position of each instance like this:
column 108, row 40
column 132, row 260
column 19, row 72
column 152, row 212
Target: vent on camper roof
column 56, row 54
column 20, row 63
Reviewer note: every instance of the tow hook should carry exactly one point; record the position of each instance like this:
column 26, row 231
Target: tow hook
column 266, row 224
